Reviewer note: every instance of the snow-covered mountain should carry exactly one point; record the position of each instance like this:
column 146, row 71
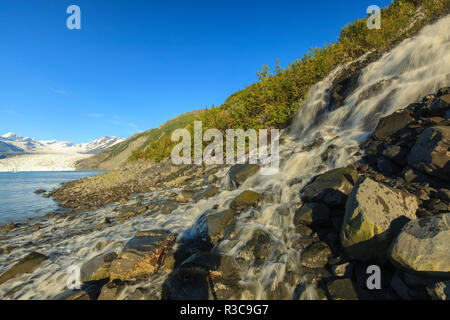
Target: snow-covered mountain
column 26, row 154
column 20, row 144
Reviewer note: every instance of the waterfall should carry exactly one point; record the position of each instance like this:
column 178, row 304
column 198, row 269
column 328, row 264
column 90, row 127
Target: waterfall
column 415, row 68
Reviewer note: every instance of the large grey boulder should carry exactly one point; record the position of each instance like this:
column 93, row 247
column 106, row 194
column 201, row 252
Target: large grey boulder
column 374, row 215
column 331, row 188
column 142, row 255
column 431, row 153
column 423, row 246
column 238, row 174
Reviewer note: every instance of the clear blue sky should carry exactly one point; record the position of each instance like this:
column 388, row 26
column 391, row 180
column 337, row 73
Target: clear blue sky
column 135, row 64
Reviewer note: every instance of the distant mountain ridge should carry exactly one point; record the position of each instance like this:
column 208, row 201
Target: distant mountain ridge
column 11, row 143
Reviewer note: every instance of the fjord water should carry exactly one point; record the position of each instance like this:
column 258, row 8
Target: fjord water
column 18, row 200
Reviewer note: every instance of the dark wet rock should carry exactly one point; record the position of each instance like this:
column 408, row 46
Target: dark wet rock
column 259, row 248
column 331, row 188
column 430, row 153
column 316, row 255
column 98, row 267
column 26, row 265
column 444, row 194
column 39, row 191
column 211, row 226
column 142, row 255
column 312, row 214
column 346, row 289
column 423, row 246
column 205, row 275
column 247, row 199
column 397, row 154
column 374, row 215
column 400, row 287
column 440, row 106
column 392, row 124
column 387, row 166
column 238, row 174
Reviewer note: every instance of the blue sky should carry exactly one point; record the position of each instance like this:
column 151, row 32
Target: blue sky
column 136, row 64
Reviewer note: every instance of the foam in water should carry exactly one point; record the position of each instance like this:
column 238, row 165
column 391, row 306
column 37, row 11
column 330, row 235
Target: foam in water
column 415, row 68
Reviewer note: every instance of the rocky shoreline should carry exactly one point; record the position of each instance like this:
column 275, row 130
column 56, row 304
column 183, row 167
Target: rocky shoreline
column 389, row 209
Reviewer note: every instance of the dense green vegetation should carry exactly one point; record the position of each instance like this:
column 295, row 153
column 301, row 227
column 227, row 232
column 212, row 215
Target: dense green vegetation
column 273, row 101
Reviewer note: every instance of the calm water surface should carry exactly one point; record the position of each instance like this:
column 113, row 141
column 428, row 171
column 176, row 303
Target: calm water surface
column 18, row 200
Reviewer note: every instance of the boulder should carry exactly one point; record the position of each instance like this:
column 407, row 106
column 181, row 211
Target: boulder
column 431, row 153
column 440, row 106
column 312, row 214
column 346, row 289
column 238, row 174
column 392, row 124
column 142, row 255
column 211, row 227
column 316, row 255
column 26, row 265
column 185, row 196
column 98, row 267
column 374, row 215
column 423, row 246
column 205, row 275
column 246, row 200
column 331, row 188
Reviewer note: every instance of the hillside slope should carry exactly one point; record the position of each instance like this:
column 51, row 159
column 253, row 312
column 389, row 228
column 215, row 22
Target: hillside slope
column 118, row 155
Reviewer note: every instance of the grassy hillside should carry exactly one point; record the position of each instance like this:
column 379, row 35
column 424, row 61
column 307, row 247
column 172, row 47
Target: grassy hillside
column 273, row 101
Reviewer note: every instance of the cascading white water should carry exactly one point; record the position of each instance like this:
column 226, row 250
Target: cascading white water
column 415, row 68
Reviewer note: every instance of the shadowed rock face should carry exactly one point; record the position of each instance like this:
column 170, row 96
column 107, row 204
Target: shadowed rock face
column 331, row 188
column 424, row 246
column 142, row 255
column 374, row 214
column 431, row 152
